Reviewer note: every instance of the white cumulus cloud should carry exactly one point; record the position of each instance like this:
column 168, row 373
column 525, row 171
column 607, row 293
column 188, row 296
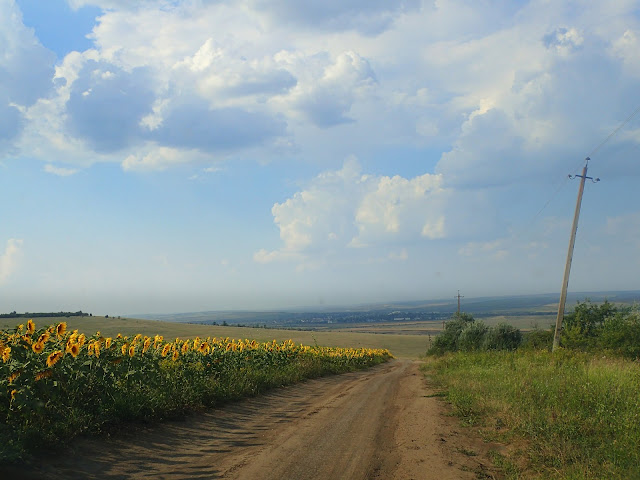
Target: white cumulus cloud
column 9, row 259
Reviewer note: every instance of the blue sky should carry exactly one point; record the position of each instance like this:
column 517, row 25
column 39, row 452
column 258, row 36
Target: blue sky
column 164, row 156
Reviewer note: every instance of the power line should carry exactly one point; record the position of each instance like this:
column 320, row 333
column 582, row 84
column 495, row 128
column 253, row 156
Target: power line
column 593, row 152
column 628, row 119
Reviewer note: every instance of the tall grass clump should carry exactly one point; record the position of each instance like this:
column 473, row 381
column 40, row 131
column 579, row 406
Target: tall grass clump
column 55, row 384
column 578, row 414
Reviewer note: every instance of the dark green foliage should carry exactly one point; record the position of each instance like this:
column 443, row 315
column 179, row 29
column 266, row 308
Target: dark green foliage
column 621, row 333
column 605, row 327
column 472, row 336
column 583, row 326
column 13, row 314
column 447, row 341
column 462, row 332
column 538, row 339
column 502, row 337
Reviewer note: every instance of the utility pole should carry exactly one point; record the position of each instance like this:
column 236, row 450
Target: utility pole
column 459, row 297
column 572, row 241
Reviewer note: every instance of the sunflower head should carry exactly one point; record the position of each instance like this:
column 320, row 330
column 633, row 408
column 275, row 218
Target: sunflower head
column 13, row 394
column 53, row 358
column 61, row 329
column 146, row 345
column 107, row 343
column 44, row 337
column 44, row 374
column 185, row 347
column 6, row 354
column 38, row 347
column 74, row 350
column 165, row 349
column 132, row 350
column 176, row 354
column 31, row 327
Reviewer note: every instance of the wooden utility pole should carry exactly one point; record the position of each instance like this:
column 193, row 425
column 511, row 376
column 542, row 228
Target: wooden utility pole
column 572, row 241
column 459, row 297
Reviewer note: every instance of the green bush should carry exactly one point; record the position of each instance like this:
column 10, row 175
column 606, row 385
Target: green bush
column 502, row 337
column 472, row 336
column 621, row 333
column 538, row 339
column 583, row 326
column 447, row 341
column 463, row 333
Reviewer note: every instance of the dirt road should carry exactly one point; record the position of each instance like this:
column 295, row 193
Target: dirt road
column 380, row 423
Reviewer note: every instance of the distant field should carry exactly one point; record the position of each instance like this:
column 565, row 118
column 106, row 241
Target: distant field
column 402, row 346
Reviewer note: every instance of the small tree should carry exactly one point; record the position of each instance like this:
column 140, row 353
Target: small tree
column 585, row 323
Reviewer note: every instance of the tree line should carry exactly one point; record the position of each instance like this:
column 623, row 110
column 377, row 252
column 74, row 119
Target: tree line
column 14, row 314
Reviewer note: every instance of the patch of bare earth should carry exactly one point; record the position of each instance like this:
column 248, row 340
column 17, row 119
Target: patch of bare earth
column 382, row 423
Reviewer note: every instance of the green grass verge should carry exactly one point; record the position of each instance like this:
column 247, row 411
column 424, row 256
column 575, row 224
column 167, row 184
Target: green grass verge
column 572, row 415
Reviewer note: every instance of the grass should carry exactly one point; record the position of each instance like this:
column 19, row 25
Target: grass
column 575, row 415
column 401, row 346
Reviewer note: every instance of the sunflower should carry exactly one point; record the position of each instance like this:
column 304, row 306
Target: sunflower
column 204, row 348
column 90, row 349
column 13, row 376
column 81, row 339
column 44, row 374
column 132, row 350
column 124, row 348
column 61, row 329
column 43, row 338
column 165, row 349
column 31, row 327
column 107, row 343
column 176, row 354
column 38, row 347
column 96, row 349
column 74, row 350
column 54, row 357
column 146, row 345
column 13, row 394
column 185, row 347
column 6, row 353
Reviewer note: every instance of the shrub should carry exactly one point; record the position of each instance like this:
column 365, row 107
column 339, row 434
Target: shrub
column 583, row 326
column 621, row 333
column 472, row 336
column 447, row 341
column 502, row 337
column 538, row 339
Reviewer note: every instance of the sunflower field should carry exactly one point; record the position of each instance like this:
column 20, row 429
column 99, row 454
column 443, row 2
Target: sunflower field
column 56, row 384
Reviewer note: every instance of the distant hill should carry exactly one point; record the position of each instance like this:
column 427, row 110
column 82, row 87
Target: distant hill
column 425, row 310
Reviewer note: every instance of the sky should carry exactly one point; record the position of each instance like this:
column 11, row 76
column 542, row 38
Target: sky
column 163, row 156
